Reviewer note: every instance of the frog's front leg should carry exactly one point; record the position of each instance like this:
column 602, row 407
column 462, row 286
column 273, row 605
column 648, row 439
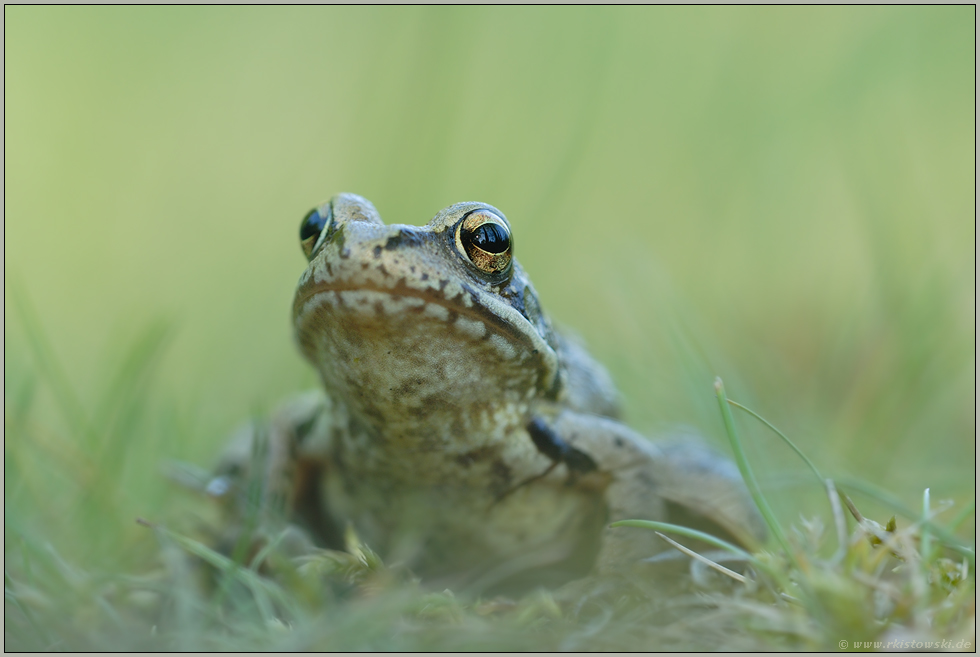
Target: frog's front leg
column 685, row 483
column 271, row 470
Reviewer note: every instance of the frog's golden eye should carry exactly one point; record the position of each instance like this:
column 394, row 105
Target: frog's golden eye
column 311, row 227
column 486, row 241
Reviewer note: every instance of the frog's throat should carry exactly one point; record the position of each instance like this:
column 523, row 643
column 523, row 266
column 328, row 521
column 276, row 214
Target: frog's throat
column 484, row 308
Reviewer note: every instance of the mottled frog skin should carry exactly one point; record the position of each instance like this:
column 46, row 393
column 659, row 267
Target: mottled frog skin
column 458, row 431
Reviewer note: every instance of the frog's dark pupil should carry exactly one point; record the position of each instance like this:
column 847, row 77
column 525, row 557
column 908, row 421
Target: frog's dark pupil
column 311, row 226
column 490, row 237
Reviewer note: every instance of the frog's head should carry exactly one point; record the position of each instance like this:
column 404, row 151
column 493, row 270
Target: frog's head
column 422, row 326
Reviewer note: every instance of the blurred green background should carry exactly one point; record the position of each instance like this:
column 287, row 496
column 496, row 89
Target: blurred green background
column 782, row 196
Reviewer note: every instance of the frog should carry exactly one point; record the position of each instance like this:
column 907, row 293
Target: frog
column 457, row 429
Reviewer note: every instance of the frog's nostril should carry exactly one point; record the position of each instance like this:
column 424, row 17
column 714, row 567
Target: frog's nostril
column 402, row 236
column 351, row 207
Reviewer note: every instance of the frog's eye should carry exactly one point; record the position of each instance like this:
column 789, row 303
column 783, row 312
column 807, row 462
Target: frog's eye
column 484, row 238
column 311, row 227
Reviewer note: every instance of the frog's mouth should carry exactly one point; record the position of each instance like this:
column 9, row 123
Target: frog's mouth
column 475, row 315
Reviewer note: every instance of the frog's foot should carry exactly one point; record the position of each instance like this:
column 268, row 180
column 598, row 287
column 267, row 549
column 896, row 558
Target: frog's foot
column 683, row 483
column 705, row 491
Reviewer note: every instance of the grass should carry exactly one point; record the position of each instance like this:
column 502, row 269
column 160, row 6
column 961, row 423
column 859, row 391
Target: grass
column 163, row 587
column 883, row 588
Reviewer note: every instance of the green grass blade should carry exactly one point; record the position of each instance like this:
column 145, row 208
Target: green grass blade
column 263, row 591
column 10, row 597
column 962, row 515
column 706, row 561
column 690, row 533
column 706, row 538
column 840, row 522
column 48, row 363
column 748, row 475
column 799, row 452
column 925, row 540
column 126, row 398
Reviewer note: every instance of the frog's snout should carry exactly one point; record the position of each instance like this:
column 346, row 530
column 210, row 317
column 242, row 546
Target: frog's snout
column 349, row 208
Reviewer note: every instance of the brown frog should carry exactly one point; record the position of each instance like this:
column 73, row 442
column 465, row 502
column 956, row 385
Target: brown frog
column 458, row 431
